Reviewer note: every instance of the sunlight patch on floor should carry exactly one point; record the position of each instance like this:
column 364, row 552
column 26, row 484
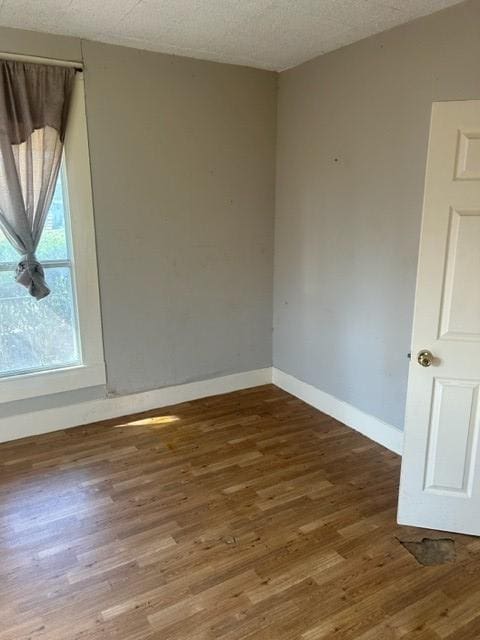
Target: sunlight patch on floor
column 150, row 422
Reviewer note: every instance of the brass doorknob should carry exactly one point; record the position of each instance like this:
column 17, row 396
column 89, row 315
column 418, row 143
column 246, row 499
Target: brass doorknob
column 425, row 358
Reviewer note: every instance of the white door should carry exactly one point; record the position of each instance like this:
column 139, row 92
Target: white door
column 440, row 481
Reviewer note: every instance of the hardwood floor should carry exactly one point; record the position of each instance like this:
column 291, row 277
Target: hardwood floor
column 248, row 515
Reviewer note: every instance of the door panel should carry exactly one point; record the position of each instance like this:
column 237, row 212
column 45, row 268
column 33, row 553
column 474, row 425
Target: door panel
column 468, row 156
column 448, row 467
column 460, row 320
column 440, row 482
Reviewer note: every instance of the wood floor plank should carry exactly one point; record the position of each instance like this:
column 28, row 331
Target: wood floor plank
column 248, row 515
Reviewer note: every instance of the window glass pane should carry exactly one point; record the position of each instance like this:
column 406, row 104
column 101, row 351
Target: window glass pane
column 7, row 252
column 53, row 243
column 36, row 335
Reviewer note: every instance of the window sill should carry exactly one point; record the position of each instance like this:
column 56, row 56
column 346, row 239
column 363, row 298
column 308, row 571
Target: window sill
column 43, row 383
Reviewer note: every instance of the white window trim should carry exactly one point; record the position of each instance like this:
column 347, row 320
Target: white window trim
column 91, row 372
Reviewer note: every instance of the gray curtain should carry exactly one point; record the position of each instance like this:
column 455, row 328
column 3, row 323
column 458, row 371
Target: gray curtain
column 34, row 102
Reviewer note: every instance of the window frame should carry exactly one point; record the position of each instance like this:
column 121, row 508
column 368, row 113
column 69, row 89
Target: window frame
column 83, row 262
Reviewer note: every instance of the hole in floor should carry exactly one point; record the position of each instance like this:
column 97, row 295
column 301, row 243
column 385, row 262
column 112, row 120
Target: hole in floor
column 431, row 551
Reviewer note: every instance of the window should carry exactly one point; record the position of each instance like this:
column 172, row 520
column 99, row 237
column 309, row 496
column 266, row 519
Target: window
column 43, row 335
column 65, row 351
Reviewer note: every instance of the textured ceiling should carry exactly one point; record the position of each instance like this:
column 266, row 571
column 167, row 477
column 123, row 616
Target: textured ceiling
column 270, row 34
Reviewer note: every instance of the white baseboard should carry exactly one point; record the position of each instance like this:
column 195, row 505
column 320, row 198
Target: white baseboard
column 30, row 424
column 374, row 428
column 35, row 423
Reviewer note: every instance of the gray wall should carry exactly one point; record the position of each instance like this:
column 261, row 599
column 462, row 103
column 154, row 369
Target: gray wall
column 183, row 159
column 352, row 141
column 182, row 155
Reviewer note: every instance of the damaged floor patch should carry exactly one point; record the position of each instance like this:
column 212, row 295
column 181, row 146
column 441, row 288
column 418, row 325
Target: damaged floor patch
column 431, row 551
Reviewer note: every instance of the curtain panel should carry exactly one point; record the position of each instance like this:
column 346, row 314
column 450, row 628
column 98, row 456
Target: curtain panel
column 34, row 103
